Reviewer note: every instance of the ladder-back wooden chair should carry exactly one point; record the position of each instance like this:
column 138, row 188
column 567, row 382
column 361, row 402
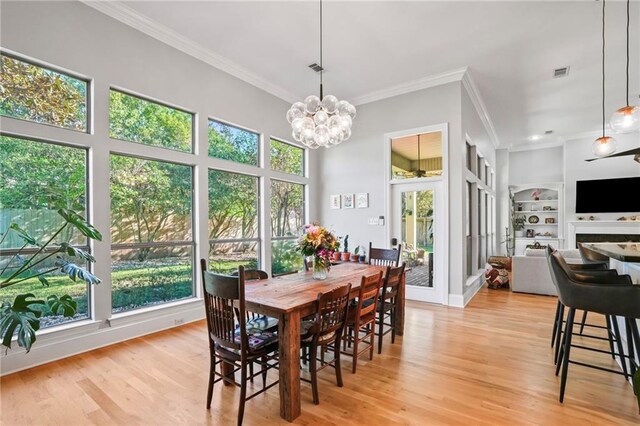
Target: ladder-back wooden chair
column 384, row 257
column 229, row 340
column 325, row 329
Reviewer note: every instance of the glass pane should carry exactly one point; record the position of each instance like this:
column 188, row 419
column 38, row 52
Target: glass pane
column 59, row 285
column 233, row 206
column 137, row 120
column 37, row 179
column 417, row 236
column 150, row 200
column 30, row 92
column 150, row 276
column 284, row 257
column 287, row 158
column 231, row 143
column 410, row 159
column 226, row 257
column 287, row 208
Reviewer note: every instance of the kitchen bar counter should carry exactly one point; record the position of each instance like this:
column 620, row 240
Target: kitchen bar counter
column 623, row 252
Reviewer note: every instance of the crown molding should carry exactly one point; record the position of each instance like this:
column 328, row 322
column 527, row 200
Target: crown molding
column 411, row 86
column 130, row 17
column 481, row 109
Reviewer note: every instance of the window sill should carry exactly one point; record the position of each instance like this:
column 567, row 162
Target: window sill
column 150, row 312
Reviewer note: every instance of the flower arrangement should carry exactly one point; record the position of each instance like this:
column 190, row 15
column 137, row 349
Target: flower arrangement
column 319, row 243
column 536, row 194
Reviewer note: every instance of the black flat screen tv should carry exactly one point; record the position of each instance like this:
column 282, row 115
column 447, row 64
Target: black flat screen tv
column 621, row 195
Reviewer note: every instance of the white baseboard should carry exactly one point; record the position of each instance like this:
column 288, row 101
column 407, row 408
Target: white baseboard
column 461, row 300
column 71, row 341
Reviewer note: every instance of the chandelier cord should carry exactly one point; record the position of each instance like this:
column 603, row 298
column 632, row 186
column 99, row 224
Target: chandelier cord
column 603, row 80
column 321, row 67
column 628, row 3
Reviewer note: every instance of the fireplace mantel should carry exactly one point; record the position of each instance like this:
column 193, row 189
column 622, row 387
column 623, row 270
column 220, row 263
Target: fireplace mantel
column 600, row 227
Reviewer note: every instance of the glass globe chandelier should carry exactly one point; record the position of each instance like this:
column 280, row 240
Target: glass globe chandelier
column 627, row 118
column 604, row 145
column 321, row 121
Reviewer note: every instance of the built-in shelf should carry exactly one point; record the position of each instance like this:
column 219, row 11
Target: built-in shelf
column 537, row 211
column 551, row 196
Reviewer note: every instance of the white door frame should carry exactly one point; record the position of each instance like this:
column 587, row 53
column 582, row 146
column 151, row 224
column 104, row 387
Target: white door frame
column 441, row 257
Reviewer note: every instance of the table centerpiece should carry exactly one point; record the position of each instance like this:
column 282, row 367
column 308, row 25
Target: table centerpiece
column 319, row 244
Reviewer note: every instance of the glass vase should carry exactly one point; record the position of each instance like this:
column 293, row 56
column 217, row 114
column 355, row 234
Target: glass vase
column 320, row 269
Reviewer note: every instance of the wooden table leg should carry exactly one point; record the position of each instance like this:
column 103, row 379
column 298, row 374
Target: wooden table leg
column 227, row 370
column 399, row 323
column 289, row 354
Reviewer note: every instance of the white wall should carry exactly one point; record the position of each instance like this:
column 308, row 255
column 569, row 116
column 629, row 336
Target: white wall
column 576, row 168
column 78, row 38
column 536, row 166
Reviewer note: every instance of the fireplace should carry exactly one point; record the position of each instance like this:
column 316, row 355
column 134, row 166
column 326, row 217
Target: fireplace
column 613, row 231
column 607, row 238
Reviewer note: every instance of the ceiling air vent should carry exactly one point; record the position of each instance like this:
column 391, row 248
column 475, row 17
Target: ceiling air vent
column 316, row 67
column 548, row 132
column 561, row 72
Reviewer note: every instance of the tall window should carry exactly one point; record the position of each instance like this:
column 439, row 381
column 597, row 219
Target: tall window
column 287, row 158
column 469, row 235
column 151, row 232
column 233, row 221
column 287, row 219
column 37, row 179
column 232, row 143
column 138, row 120
column 34, row 93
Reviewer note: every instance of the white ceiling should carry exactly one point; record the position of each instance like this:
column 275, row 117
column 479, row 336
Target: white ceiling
column 511, row 49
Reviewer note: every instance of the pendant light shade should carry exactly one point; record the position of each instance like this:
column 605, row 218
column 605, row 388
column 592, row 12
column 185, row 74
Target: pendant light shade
column 604, row 145
column 627, row 118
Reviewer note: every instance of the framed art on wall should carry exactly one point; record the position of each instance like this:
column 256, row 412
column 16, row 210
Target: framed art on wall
column 347, row 201
column 335, row 202
column 362, row 200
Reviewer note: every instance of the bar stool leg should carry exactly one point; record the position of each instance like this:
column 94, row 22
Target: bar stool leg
column 559, row 335
column 583, row 321
column 555, row 323
column 616, row 330
column 567, row 349
column 610, row 335
column 630, row 347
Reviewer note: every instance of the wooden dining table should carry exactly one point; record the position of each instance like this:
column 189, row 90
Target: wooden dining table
column 292, row 297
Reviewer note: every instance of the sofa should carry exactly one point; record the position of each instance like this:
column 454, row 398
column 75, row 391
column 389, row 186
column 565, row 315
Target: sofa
column 531, row 274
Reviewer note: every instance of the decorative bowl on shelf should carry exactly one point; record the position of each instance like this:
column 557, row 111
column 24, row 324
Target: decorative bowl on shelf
column 534, row 219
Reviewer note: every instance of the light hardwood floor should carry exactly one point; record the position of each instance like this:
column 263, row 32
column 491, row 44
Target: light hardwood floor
column 487, row 364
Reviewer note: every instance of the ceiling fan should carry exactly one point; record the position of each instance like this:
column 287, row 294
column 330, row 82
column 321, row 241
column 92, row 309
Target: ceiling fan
column 635, row 152
column 413, row 173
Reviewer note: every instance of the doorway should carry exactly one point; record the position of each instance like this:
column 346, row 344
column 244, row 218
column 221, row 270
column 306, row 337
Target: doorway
column 414, row 221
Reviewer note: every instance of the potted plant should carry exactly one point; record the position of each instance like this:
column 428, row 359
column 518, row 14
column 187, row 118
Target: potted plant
column 345, row 252
column 21, row 318
column 363, row 255
column 518, row 225
column 536, row 194
column 354, row 256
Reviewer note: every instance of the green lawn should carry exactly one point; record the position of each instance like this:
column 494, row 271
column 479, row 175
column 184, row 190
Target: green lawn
column 132, row 288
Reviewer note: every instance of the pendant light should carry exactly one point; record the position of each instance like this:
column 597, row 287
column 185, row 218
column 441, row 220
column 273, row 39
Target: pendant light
column 604, row 145
column 627, row 118
column 419, row 172
column 321, row 121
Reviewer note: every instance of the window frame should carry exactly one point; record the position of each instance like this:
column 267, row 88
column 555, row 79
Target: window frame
column 89, row 243
column 133, row 94
column 304, row 158
column 258, row 239
column 305, row 209
column 159, row 244
column 260, row 161
column 60, row 70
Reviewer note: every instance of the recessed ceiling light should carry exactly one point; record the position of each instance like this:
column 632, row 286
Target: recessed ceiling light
column 534, row 137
